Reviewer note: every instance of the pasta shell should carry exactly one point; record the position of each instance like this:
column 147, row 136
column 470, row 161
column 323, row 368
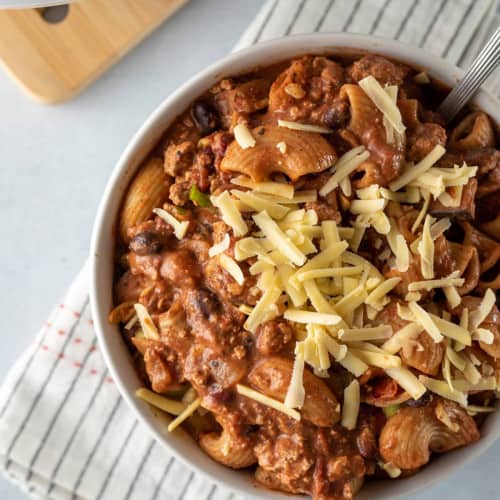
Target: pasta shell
column 226, row 449
column 428, row 359
column 363, row 111
column 121, row 313
column 409, row 112
column 467, row 261
column 148, row 190
column 366, row 122
column 492, row 228
column 474, row 131
column 488, row 249
column 306, row 153
column 272, row 377
column 409, row 436
column 491, row 323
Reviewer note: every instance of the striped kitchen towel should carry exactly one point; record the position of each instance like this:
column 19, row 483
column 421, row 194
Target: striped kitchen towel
column 65, row 432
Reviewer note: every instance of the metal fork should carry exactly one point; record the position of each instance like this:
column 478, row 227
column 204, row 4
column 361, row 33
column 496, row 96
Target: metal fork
column 481, row 68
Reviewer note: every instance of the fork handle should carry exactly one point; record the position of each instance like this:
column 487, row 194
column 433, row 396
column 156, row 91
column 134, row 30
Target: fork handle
column 481, row 68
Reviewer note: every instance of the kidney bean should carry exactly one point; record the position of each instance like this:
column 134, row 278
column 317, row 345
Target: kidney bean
column 145, row 243
column 205, row 117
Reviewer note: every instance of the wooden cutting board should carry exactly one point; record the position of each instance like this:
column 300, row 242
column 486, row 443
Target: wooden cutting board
column 55, row 61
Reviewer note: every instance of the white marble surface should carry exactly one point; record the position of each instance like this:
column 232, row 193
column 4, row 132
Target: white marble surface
column 55, row 162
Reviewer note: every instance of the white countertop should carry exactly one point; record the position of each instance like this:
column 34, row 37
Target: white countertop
column 56, row 160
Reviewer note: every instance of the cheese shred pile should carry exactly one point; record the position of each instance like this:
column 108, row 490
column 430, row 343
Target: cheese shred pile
column 311, row 274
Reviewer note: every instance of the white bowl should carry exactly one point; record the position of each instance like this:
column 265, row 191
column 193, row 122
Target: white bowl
column 113, row 348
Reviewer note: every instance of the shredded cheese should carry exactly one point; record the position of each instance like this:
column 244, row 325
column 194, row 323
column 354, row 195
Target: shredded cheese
column 180, row 228
column 257, row 203
column 367, row 206
column 298, row 197
column 344, row 168
column 452, row 296
column 168, row 405
column 413, row 296
column 267, row 401
column 220, row 247
column 446, row 370
column 245, row 309
column 451, row 330
column 231, row 266
column 230, row 214
column 338, row 351
column 302, row 316
column 423, row 211
column 426, row 250
column 322, row 259
column 453, row 198
column 317, row 299
column 282, row 147
column 473, row 409
column 350, row 301
column 485, row 307
column 264, row 310
column 375, row 297
column 319, row 336
column 383, row 102
column 471, row 373
column 304, row 127
column 243, row 136
column 439, row 283
column 422, row 78
column 328, row 273
column 131, row 322
column 380, row 359
column 345, row 186
column 356, row 260
column 296, row 293
column 411, row 195
column 278, row 238
column 147, row 325
column 483, row 335
column 359, row 232
column 381, row 332
column 392, row 471
column 269, row 187
column 191, row 408
column 399, row 248
column 456, row 359
column 485, row 384
column 392, row 92
column 396, row 342
column 350, row 408
column 441, row 388
column 296, row 394
column 415, row 171
column 407, row 380
column 425, row 321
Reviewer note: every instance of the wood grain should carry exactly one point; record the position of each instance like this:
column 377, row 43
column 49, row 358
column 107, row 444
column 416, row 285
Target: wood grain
column 54, row 62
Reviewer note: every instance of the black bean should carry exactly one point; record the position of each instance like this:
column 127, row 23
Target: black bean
column 205, row 117
column 220, row 395
column 206, row 303
column 251, row 429
column 337, row 115
column 422, row 401
column 145, row 243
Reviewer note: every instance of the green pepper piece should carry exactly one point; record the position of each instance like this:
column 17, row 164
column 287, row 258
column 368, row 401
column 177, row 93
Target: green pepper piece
column 201, row 199
column 391, row 410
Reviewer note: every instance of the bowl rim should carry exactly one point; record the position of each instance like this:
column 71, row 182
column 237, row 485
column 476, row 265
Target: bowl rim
column 140, row 144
